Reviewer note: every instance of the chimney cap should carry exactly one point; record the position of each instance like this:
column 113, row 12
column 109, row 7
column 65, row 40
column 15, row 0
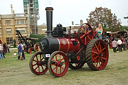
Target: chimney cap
column 49, row 9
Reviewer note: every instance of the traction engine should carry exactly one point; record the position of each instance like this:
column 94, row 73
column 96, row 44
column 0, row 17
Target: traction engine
column 62, row 49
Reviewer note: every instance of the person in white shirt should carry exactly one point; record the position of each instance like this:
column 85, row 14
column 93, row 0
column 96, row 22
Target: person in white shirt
column 119, row 42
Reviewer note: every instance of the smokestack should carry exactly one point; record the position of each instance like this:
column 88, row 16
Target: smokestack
column 49, row 13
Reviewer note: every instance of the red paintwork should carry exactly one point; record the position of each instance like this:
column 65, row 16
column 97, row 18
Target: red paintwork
column 66, row 45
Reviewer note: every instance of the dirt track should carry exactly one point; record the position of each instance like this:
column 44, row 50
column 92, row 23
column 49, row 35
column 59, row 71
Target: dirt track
column 17, row 72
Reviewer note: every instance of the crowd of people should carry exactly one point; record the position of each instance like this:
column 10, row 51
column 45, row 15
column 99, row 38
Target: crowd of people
column 120, row 44
column 4, row 48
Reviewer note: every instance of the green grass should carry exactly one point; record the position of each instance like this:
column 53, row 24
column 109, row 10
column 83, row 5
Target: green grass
column 17, row 72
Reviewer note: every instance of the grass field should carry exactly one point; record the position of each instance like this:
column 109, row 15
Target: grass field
column 16, row 72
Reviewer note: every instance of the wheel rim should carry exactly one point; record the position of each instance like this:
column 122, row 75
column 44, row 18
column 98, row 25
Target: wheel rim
column 85, row 33
column 35, row 64
column 99, row 55
column 58, row 64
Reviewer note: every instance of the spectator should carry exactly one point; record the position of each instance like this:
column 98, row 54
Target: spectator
column 20, row 50
column 23, row 51
column 123, row 43
column 99, row 31
column 1, row 51
column 119, row 42
column 4, row 49
column 114, row 45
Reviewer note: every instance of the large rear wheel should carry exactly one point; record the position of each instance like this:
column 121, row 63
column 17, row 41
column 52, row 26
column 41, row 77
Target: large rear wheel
column 97, row 54
column 58, row 64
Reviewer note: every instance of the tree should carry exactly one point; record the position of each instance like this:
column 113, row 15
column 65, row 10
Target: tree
column 105, row 17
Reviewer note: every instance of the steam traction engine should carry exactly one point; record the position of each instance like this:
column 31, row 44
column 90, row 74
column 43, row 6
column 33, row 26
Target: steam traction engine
column 62, row 49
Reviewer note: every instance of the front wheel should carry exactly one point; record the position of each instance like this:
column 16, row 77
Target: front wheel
column 58, row 64
column 38, row 64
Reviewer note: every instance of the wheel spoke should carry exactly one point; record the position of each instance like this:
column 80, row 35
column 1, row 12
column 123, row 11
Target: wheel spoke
column 85, row 40
column 95, row 52
column 103, row 58
column 56, row 57
column 54, row 68
column 89, row 38
column 36, row 57
column 82, row 36
column 36, row 67
column 89, row 32
column 102, row 49
column 96, row 47
column 61, row 59
column 94, row 58
column 82, row 30
column 62, row 67
column 34, row 64
column 34, row 60
column 99, row 45
column 42, row 68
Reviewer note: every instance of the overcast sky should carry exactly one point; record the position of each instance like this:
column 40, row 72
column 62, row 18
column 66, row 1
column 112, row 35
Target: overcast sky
column 66, row 11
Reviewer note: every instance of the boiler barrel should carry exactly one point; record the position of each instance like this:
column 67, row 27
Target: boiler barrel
column 49, row 45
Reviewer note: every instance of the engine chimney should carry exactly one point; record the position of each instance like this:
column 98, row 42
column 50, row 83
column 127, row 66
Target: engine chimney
column 49, row 13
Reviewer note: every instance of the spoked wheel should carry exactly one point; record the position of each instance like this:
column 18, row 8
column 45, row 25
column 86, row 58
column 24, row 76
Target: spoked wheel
column 58, row 64
column 75, row 66
column 38, row 64
column 85, row 33
column 97, row 54
column 30, row 50
column 36, row 48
